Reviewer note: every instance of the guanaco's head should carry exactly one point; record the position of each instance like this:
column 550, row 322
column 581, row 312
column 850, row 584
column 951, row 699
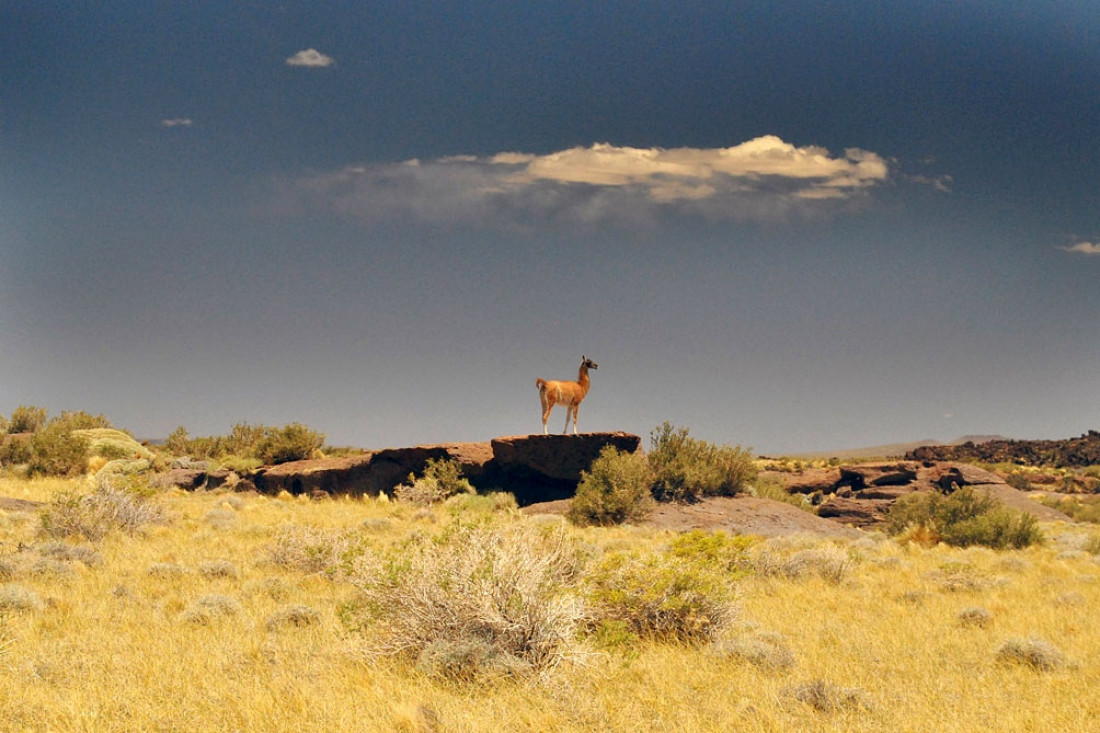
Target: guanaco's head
column 587, row 363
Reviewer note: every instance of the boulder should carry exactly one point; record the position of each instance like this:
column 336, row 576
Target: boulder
column 855, row 512
column 811, row 480
column 183, row 478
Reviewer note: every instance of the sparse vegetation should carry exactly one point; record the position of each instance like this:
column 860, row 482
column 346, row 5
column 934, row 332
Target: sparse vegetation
column 246, row 442
column 114, row 618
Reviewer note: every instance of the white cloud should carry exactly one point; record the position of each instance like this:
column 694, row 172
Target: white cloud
column 176, row 122
column 764, row 178
column 310, row 57
column 1085, row 248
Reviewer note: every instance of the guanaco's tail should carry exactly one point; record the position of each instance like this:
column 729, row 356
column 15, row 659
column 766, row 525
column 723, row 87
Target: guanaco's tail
column 541, row 384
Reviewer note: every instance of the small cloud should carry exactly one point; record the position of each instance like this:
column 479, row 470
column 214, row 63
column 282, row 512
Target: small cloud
column 762, row 179
column 1084, row 248
column 940, row 183
column 311, row 58
column 176, row 122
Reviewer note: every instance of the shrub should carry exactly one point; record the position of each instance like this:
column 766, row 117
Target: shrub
column 314, row 550
column 828, row 698
column 27, row 419
column 294, row 442
column 766, row 651
column 616, row 488
column 16, row 598
column 96, row 514
column 56, row 451
column 244, row 439
column 963, row 518
column 178, row 442
column 687, row 469
column 209, row 608
column 218, row 569
column 975, row 616
column 295, row 616
column 493, row 502
column 441, row 480
column 830, row 563
column 14, row 449
column 663, row 596
column 475, row 601
column 1034, row 653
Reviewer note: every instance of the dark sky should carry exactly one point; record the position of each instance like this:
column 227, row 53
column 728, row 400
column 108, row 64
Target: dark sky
column 787, row 225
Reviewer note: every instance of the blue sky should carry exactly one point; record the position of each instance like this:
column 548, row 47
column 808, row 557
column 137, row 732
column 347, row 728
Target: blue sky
column 794, row 226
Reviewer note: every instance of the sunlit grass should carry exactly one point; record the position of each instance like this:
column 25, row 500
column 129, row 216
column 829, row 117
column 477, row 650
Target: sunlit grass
column 154, row 632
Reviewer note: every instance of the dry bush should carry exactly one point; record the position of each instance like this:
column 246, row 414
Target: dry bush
column 830, row 562
column 210, row 608
column 1035, row 653
column 166, row 570
column 18, row 599
column 763, row 650
column 294, row 616
column 94, row 515
column 975, row 616
column 829, row 698
column 475, row 601
column 218, row 569
column 314, row 550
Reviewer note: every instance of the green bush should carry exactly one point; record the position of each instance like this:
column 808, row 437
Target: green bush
column 674, row 595
column 14, row 450
column 441, row 480
column 179, row 442
column 27, row 419
column 616, row 488
column 294, row 442
column 56, row 451
column 963, row 518
column 687, row 469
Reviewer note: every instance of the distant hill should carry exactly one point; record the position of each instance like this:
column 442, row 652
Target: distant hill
column 894, row 450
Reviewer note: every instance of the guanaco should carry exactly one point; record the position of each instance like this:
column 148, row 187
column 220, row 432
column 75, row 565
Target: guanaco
column 565, row 393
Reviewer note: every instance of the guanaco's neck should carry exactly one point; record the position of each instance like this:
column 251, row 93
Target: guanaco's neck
column 582, row 377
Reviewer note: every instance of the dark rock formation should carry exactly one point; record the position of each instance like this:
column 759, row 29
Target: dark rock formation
column 1073, row 452
column 540, row 468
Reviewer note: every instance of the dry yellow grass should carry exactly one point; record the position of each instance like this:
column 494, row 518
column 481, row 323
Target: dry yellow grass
column 186, row 627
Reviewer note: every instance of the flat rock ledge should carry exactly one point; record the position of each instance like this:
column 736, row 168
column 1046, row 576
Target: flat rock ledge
column 534, row 468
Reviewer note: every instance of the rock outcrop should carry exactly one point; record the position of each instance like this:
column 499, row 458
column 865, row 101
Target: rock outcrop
column 1069, row 453
column 532, row 467
column 861, row 495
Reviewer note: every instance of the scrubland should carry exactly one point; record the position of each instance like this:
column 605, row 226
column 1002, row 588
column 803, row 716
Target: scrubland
column 246, row 612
